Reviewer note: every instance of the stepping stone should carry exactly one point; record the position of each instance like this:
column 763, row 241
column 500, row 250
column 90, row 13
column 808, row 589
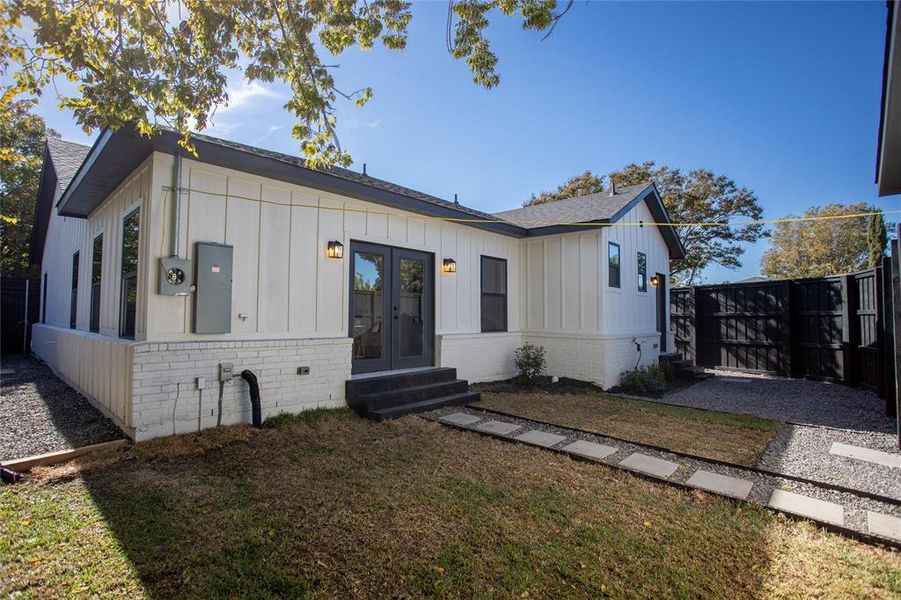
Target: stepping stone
column 885, row 459
column 649, row 464
column 805, row 506
column 590, row 449
column 721, row 484
column 498, row 427
column 885, row 525
column 540, row 438
column 460, row 418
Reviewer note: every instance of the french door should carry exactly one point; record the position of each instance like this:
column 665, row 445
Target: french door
column 392, row 297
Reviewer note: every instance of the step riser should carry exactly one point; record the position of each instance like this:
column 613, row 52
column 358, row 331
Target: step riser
column 438, row 403
column 360, row 387
column 408, row 396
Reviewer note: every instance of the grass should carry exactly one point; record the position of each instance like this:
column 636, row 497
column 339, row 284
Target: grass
column 739, row 439
column 339, row 507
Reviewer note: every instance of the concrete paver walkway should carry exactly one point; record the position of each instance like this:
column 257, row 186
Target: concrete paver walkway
column 848, row 509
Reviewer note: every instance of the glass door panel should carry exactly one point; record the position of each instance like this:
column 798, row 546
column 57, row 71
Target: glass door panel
column 411, row 322
column 369, row 309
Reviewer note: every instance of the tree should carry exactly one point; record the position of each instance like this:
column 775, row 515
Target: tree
column 578, row 185
column 696, row 197
column 877, row 240
column 23, row 135
column 152, row 61
column 823, row 246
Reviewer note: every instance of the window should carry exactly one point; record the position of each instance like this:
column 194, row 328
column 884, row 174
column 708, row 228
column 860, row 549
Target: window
column 494, row 294
column 613, row 265
column 96, row 266
column 73, row 305
column 642, row 272
column 129, row 299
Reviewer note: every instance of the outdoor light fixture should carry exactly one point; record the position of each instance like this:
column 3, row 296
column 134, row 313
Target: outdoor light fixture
column 449, row 265
column 655, row 281
column 335, row 250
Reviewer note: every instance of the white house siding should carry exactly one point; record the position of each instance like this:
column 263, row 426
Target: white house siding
column 585, row 326
column 296, row 299
column 98, row 366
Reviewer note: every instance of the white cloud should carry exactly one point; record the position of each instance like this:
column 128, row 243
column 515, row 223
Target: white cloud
column 246, row 95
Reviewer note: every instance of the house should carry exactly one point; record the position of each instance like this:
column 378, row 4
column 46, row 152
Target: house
column 166, row 276
column 888, row 151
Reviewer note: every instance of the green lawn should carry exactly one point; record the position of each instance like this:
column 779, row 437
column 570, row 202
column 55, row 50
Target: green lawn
column 333, row 506
column 739, row 439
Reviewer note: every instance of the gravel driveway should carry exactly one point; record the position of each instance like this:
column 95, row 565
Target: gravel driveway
column 39, row 413
column 802, row 401
column 820, row 414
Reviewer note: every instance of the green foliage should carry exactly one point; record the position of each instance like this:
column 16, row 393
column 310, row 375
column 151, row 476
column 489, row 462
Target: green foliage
column 22, row 135
column 824, row 246
column 152, row 61
column 647, row 379
column 531, row 362
column 700, row 196
column 877, row 240
column 578, row 185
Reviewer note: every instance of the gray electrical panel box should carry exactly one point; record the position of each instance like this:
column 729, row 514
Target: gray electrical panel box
column 213, row 297
column 176, row 276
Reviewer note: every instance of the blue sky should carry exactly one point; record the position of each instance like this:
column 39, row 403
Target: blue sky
column 782, row 97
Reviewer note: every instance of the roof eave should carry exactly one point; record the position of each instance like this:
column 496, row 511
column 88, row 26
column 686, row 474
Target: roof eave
column 888, row 151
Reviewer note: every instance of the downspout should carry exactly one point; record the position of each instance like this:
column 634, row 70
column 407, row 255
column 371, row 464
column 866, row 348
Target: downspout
column 176, row 221
column 254, row 388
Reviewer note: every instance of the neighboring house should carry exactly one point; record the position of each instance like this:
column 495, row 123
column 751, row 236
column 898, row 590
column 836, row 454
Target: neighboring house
column 888, row 152
column 311, row 279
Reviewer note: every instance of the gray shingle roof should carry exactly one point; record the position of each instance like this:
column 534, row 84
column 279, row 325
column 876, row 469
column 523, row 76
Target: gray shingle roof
column 66, row 157
column 583, row 209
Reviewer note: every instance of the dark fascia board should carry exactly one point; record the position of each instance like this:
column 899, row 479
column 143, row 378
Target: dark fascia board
column 43, row 209
column 888, row 148
column 116, row 154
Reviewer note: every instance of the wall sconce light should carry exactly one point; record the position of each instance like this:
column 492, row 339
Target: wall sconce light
column 335, row 249
column 655, row 281
column 449, row 265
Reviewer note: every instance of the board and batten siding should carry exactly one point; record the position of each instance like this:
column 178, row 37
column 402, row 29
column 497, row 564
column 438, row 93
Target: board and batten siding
column 626, row 310
column 282, row 280
column 66, row 235
column 565, row 287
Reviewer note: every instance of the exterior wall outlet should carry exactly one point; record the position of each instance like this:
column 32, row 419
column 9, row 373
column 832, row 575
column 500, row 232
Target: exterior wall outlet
column 303, row 370
column 201, row 383
column 226, row 371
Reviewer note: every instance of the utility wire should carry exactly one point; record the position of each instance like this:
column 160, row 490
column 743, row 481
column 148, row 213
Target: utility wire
column 543, row 223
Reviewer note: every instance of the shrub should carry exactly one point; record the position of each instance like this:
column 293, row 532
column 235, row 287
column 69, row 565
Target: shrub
column 647, row 379
column 530, row 361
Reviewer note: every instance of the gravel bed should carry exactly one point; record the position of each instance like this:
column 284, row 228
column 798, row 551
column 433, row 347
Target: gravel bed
column 855, row 505
column 804, row 452
column 801, row 401
column 39, row 413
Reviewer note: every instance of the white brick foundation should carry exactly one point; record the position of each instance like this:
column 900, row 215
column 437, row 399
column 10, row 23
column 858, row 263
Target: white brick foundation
column 479, row 356
column 166, row 399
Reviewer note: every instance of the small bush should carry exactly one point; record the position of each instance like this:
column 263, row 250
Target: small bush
column 530, row 361
column 651, row 378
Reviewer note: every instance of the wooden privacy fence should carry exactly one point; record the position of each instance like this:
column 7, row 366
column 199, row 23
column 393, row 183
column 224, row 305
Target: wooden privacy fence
column 830, row 328
column 20, row 301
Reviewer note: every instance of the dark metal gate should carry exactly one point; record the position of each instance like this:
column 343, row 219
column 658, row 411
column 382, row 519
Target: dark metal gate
column 20, row 302
column 830, row 328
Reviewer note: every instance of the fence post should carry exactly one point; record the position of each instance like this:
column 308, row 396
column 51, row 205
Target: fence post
column 695, row 325
column 847, row 337
column 896, row 321
column 786, row 337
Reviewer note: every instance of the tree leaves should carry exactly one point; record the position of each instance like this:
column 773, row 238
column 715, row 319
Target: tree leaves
column 21, row 157
column 823, row 247
column 578, row 185
column 159, row 62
